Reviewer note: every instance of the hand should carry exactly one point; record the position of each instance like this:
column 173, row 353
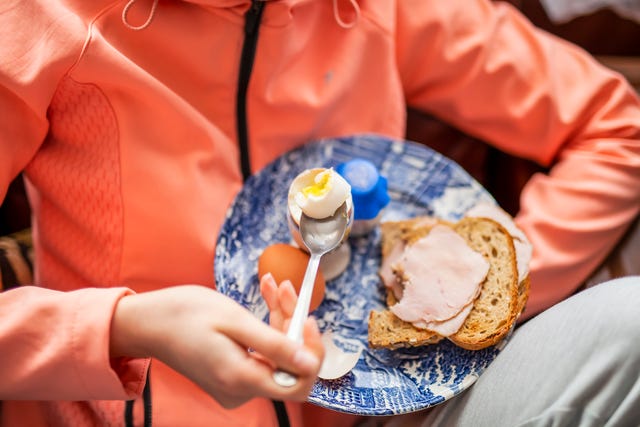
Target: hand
column 205, row 336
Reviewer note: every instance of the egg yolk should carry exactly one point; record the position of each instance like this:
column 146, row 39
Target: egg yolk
column 319, row 188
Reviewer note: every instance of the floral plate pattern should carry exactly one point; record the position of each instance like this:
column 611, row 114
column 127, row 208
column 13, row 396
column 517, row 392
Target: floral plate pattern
column 420, row 182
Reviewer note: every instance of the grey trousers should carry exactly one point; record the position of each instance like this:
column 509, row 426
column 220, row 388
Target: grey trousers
column 576, row 364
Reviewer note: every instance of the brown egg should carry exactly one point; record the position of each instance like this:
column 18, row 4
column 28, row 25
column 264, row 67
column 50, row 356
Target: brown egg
column 284, row 262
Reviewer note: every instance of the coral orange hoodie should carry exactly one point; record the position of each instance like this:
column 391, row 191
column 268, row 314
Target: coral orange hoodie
column 129, row 140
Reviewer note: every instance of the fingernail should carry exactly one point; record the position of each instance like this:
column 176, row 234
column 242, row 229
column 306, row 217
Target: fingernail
column 305, row 359
column 287, row 284
column 267, row 276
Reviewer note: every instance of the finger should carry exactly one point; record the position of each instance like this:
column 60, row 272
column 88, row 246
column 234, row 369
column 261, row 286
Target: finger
column 287, row 298
column 304, row 384
column 269, row 291
column 313, row 338
column 293, row 357
column 246, row 374
column 256, row 379
column 313, row 342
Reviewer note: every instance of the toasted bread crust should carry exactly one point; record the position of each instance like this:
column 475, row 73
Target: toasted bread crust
column 386, row 330
column 496, row 309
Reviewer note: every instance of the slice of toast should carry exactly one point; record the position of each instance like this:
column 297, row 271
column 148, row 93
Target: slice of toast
column 495, row 310
column 386, row 330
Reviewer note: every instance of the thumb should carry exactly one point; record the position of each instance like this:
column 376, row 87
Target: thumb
column 313, row 338
column 275, row 346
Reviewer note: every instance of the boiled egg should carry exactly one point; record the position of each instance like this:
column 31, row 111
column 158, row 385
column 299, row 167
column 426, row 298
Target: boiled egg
column 286, row 262
column 319, row 192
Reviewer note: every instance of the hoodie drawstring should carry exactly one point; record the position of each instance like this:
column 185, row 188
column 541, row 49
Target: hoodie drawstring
column 336, row 14
column 125, row 11
column 146, row 401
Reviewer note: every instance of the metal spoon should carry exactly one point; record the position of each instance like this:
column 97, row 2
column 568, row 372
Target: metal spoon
column 319, row 236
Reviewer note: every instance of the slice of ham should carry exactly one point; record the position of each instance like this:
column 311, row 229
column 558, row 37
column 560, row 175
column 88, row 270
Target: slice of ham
column 447, row 327
column 443, row 277
column 389, row 263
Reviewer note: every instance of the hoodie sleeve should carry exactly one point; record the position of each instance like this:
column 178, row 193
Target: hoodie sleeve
column 55, row 345
column 482, row 67
column 40, row 42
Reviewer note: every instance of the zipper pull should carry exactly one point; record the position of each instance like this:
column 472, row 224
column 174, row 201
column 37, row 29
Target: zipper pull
column 252, row 17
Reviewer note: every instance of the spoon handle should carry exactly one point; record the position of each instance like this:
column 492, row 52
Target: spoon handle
column 300, row 314
column 301, row 311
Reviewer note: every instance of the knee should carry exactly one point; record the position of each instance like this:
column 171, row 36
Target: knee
column 613, row 307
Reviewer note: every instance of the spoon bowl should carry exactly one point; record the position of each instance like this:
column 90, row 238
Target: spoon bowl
column 319, row 236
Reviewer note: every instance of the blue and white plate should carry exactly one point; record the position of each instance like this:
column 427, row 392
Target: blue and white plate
column 421, row 182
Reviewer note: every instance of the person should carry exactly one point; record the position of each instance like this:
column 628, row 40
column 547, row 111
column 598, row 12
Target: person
column 135, row 123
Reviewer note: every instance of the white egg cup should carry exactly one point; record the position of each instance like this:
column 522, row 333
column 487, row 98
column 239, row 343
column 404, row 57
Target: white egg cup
column 333, row 263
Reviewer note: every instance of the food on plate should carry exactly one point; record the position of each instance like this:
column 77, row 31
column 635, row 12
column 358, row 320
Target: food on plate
column 522, row 245
column 286, row 262
column 458, row 281
column 318, row 192
column 439, row 286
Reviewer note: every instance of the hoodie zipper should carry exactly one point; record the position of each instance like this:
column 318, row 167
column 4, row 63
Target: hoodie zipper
column 251, row 27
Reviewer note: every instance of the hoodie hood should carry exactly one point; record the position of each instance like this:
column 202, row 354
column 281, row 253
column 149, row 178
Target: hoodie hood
column 346, row 12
